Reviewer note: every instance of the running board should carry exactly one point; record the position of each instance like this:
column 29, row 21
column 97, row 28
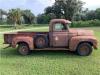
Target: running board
column 52, row 49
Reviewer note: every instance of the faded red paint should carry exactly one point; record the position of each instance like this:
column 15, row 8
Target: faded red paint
column 68, row 39
column 27, row 39
column 74, row 42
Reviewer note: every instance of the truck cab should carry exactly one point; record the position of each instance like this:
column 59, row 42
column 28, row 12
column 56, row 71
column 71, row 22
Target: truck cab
column 59, row 33
column 59, row 37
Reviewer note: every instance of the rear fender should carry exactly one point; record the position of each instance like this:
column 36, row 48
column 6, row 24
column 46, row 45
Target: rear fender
column 27, row 39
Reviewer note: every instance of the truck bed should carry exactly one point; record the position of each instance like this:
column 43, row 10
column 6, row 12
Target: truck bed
column 9, row 36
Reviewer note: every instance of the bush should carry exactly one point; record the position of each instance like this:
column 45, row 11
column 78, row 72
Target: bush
column 2, row 22
column 89, row 23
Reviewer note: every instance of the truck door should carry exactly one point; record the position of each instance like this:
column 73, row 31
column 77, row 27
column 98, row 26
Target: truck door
column 60, row 35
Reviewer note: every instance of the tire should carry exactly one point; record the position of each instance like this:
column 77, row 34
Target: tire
column 41, row 42
column 84, row 49
column 23, row 49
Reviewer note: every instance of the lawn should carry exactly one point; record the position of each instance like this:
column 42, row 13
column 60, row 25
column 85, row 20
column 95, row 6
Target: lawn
column 5, row 28
column 48, row 62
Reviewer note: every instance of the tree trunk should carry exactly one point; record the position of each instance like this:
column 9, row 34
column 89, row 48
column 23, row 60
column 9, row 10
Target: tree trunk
column 15, row 25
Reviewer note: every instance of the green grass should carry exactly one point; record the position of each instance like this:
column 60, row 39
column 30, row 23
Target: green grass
column 49, row 62
column 19, row 27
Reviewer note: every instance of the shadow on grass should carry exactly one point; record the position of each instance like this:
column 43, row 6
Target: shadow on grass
column 13, row 53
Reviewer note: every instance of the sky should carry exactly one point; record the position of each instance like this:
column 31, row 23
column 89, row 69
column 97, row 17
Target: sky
column 38, row 6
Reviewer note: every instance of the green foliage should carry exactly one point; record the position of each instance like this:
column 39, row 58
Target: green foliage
column 2, row 19
column 89, row 23
column 19, row 16
column 87, row 15
column 55, row 9
column 3, row 22
column 45, row 19
column 91, row 15
column 28, row 16
column 65, row 8
column 97, row 11
column 14, row 16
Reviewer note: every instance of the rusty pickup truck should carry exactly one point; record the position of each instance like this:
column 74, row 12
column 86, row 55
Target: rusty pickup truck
column 59, row 37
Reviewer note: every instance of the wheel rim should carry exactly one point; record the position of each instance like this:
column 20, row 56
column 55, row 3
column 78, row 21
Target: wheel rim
column 84, row 50
column 23, row 50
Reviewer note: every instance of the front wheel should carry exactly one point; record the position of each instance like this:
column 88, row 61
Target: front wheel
column 84, row 49
column 23, row 49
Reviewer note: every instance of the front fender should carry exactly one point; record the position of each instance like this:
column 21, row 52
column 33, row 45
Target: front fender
column 74, row 42
column 27, row 39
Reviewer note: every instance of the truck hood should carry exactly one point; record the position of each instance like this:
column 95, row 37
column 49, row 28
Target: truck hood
column 81, row 32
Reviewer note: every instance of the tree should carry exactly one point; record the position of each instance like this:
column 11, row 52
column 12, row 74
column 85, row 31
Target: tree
column 70, row 7
column 81, row 15
column 65, row 8
column 97, row 11
column 55, row 9
column 17, row 16
column 48, row 10
column 91, row 15
column 14, row 15
column 28, row 16
column 3, row 15
column 45, row 18
column 2, row 12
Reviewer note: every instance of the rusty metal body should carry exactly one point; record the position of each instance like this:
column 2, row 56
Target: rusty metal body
column 65, row 38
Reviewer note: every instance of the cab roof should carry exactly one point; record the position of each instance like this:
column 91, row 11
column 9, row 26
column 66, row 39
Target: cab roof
column 60, row 20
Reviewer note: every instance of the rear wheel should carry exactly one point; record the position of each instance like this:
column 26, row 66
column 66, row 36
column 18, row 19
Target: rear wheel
column 23, row 49
column 84, row 49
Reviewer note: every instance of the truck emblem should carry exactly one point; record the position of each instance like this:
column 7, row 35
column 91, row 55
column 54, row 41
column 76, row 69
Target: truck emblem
column 56, row 38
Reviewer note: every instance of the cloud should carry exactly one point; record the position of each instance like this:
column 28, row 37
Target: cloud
column 92, row 4
column 36, row 6
column 46, row 2
column 8, row 4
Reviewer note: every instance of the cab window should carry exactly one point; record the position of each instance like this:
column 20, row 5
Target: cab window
column 59, row 27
